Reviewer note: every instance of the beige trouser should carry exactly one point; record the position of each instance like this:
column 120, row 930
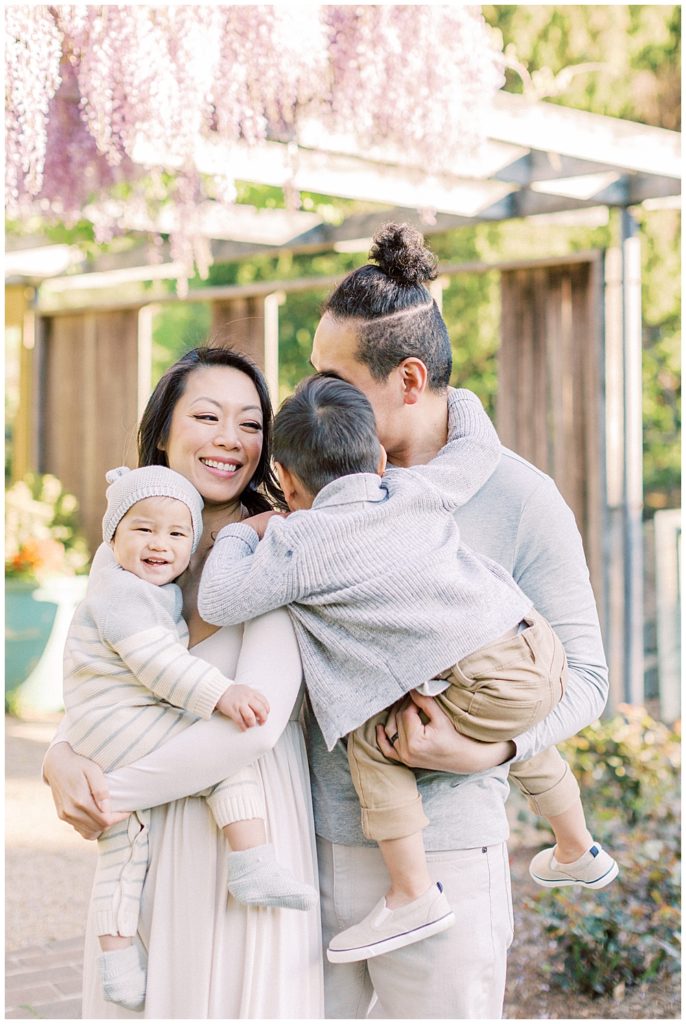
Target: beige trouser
column 495, row 694
column 456, row 975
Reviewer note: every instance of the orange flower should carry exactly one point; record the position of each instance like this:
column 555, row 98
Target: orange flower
column 38, row 557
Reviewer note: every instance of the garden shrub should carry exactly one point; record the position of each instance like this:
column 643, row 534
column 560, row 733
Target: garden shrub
column 603, row 940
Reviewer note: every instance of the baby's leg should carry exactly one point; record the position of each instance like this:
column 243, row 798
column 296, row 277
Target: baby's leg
column 571, row 833
column 120, row 873
column 255, row 876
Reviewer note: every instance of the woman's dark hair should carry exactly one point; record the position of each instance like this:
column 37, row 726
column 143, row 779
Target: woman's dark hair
column 326, row 430
column 397, row 316
column 156, row 420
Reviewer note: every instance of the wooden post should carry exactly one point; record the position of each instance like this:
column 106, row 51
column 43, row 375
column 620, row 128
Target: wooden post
column 271, row 343
column 551, row 404
column 146, row 317
column 251, row 325
column 239, row 323
column 89, row 391
column 19, row 317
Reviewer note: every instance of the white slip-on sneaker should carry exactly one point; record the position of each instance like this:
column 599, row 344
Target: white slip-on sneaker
column 384, row 930
column 594, row 869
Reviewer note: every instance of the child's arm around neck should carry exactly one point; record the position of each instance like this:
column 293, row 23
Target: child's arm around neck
column 471, row 454
column 245, row 577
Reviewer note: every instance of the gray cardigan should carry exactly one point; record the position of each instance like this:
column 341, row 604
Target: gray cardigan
column 382, row 593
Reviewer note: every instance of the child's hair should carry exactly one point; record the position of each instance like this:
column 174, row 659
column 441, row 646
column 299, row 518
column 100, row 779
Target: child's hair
column 324, row 431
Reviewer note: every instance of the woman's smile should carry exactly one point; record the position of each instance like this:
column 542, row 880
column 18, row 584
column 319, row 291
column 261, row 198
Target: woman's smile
column 225, row 467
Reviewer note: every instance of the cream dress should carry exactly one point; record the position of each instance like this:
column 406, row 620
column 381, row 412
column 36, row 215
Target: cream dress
column 209, row 957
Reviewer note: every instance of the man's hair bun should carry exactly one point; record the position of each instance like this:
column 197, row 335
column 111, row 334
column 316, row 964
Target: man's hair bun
column 399, row 251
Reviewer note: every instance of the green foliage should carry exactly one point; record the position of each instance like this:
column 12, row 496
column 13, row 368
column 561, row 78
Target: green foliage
column 661, row 274
column 298, row 319
column 623, row 59
column 628, row 770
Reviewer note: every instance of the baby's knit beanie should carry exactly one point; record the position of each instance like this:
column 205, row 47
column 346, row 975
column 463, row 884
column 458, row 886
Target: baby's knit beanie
column 127, row 486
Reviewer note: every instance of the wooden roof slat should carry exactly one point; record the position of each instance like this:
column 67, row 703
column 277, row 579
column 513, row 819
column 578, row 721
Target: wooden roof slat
column 577, row 133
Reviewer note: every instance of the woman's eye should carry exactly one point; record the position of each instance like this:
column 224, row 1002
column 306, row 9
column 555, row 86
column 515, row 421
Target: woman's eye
column 252, row 425
column 177, row 533
column 143, row 529
column 206, row 416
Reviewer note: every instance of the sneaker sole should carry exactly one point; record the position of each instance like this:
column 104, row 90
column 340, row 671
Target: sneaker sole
column 346, row 956
column 598, row 883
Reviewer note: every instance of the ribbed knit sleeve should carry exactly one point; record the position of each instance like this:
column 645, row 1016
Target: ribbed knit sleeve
column 471, row 454
column 139, row 626
column 244, row 578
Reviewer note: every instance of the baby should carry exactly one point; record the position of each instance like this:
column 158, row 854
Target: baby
column 384, row 597
column 130, row 684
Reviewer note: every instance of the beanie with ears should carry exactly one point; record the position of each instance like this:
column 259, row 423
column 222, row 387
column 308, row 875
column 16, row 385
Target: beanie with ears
column 128, row 486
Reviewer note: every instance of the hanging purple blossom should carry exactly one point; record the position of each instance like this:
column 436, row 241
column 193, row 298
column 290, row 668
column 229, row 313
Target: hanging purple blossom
column 32, row 62
column 89, row 85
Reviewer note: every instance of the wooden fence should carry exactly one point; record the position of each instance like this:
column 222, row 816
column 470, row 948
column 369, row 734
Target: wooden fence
column 561, row 339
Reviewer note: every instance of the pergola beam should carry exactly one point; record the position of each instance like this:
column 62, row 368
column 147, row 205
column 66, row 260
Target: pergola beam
column 538, row 158
column 552, row 128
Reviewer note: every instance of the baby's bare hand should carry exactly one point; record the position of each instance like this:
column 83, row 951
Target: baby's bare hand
column 244, row 706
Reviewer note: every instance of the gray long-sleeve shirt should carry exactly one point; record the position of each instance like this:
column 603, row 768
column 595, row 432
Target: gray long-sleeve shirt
column 382, row 594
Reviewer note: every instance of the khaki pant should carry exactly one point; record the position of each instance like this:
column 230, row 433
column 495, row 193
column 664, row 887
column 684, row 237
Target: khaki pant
column 495, row 694
column 456, row 975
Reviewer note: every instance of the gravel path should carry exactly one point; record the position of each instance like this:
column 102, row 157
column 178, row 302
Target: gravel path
column 48, row 867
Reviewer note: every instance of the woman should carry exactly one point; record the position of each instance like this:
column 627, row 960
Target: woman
column 209, row 418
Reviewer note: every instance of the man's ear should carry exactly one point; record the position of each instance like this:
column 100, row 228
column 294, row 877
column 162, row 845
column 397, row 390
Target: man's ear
column 414, row 376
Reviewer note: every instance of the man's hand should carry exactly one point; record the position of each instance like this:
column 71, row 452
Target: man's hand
column 79, row 791
column 260, row 522
column 433, row 742
column 244, row 706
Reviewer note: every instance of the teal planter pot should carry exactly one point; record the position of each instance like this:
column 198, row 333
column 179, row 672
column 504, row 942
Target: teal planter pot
column 37, row 619
column 27, row 627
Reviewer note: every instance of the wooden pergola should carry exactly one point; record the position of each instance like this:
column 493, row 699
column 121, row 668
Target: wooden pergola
column 570, row 357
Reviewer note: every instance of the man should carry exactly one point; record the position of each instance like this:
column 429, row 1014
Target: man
column 382, row 332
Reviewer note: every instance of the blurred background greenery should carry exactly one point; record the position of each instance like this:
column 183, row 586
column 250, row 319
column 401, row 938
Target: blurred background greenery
column 613, row 60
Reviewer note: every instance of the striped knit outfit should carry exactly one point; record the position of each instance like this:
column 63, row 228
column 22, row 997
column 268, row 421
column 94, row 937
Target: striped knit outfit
column 130, row 684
